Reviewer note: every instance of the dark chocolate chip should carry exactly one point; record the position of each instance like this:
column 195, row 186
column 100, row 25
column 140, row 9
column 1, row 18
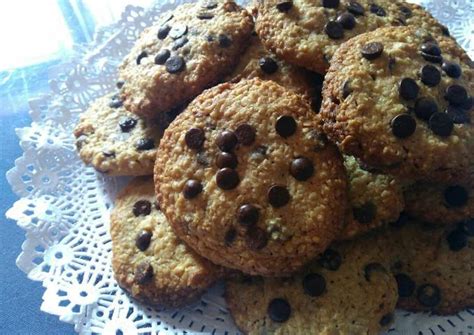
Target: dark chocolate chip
column 127, row 124
column 245, row 134
column 120, row 84
column 455, row 196
column 314, row 284
column 256, row 238
column 224, row 41
column 425, row 108
column 116, row 103
column 467, row 227
column 142, row 55
column 432, row 58
column 108, row 153
column 445, row 30
column 330, row 260
column 143, row 240
column 178, row 30
column 458, row 115
column 386, row 320
column 406, row 286
column 401, row 221
column 428, row 295
column 194, row 138
column 346, row 89
column 226, row 140
column 141, row 208
column 230, row 236
column 301, row 168
column 192, row 188
column 366, row 213
column 334, row 30
column 226, row 159
column 355, row 8
column 408, row 89
column 403, row 125
column 203, row 15
column 284, row 6
column 373, row 268
column 227, row 178
column 456, row 95
column 377, row 10
column 180, row 42
column 278, row 196
column 330, row 3
column 175, row 64
column 430, row 76
column 145, row 144
column 279, row 310
column 163, row 31
column 346, row 20
column 431, row 48
column 248, row 215
column 162, row 56
column 452, row 69
column 143, row 273
column 406, row 11
column 372, row 50
column 467, row 104
column 285, row 126
column 268, row 65
column 441, row 124
column 457, row 240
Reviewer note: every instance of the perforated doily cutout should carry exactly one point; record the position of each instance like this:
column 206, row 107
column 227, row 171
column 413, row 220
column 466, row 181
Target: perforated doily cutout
column 64, row 206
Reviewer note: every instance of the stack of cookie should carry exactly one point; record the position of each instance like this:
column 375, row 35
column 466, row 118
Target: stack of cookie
column 318, row 156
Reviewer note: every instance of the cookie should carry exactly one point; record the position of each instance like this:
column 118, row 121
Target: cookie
column 252, row 186
column 188, row 50
column 374, row 200
column 308, row 32
column 148, row 260
column 345, row 291
column 440, row 204
column 115, row 141
column 400, row 100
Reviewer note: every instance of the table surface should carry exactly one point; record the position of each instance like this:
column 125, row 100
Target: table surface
column 23, row 74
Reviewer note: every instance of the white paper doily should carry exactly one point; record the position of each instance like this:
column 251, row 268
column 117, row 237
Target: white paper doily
column 64, row 206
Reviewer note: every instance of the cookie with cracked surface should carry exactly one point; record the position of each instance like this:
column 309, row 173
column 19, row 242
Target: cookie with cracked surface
column 148, row 260
column 253, row 186
column 115, row 141
column 308, row 32
column 400, row 100
column 346, row 291
column 374, row 200
column 188, row 50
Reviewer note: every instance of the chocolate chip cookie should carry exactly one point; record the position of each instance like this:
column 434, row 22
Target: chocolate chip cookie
column 400, row 100
column 148, row 260
column 115, row 141
column 308, row 32
column 345, row 291
column 246, row 181
column 187, row 51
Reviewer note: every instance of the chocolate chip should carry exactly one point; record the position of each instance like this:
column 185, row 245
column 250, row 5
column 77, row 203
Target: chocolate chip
column 452, row 69
column 373, row 268
column 372, row 50
column 248, row 215
column 441, row 124
column 330, row 3
column 406, row 286
column 314, row 285
column 108, row 153
column 224, row 41
column 334, row 30
column 162, row 56
column 166, row 17
column 455, row 196
column 127, row 124
column 346, row 20
column 226, row 159
column 227, row 178
column 458, row 115
column 192, row 188
column 194, row 138
column 175, row 64
column 226, row 140
column 245, row 134
column 403, row 125
column 457, row 240
column 143, row 240
column 430, row 75
column 145, row 144
column 256, row 238
column 163, row 32
column 279, row 310
column 386, row 319
column 467, row 227
column 377, row 10
column 142, row 55
column 408, row 89
column 406, row 11
column 180, row 42
column 278, row 196
column 330, row 260
column 285, row 126
column 178, row 30
column 456, row 95
column 431, row 58
column 428, row 295
column 425, row 108
column 230, row 236
column 301, row 168
column 467, row 104
column 120, row 84
column 355, row 8
column 431, row 52
column 366, row 213
column 143, row 273
column 116, row 103
column 205, row 15
column 268, row 65
column 141, row 208
column 284, row 6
